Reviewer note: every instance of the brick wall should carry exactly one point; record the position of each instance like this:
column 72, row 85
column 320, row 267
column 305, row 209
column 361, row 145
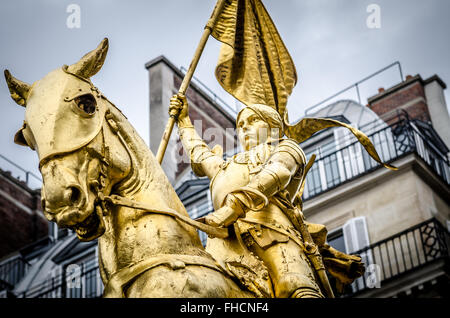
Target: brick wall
column 408, row 96
column 201, row 110
column 21, row 219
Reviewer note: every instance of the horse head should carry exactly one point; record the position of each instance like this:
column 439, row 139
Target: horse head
column 65, row 124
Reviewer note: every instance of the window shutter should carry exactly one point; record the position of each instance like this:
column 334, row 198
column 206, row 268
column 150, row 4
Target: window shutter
column 356, row 237
column 348, row 236
column 362, row 236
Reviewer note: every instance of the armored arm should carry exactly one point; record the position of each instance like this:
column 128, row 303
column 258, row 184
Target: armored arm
column 286, row 161
column 204, row 161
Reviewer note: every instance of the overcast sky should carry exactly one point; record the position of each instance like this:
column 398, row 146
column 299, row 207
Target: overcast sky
column 329, row 40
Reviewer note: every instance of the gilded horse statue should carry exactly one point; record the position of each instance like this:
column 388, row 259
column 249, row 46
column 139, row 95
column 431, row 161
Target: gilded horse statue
column 101, row 180
column 90, row 156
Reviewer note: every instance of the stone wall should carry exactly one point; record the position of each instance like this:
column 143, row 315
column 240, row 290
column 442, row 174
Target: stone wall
column 205, row 113
column 391, row 201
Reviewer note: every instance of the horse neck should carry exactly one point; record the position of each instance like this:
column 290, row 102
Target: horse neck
column 146, row 179
column 147, row 183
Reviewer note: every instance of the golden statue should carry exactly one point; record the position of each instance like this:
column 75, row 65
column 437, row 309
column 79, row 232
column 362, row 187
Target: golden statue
column 97, row 176
column 258, row 193
column 101, row 180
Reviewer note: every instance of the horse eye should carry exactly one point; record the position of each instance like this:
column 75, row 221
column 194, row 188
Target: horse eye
column 86, row 103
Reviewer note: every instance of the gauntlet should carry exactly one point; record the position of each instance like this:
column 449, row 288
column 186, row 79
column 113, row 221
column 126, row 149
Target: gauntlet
column 227, row 214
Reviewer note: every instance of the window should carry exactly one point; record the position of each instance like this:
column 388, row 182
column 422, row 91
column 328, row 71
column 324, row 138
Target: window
column 331, row 170
column 325, row 171
column 313, row 183
column 336, row 240
column 349, row 156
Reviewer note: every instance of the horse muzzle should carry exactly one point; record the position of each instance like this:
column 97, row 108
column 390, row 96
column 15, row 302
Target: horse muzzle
column 91, row 227
column 72, row 208
column 87, row 225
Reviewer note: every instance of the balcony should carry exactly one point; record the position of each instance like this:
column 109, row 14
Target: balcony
column 422, row 247
column 350, row 160
column 74, row 281
column 12, row 271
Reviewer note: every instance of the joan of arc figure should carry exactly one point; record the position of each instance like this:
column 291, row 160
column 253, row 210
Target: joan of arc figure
column 255, row 192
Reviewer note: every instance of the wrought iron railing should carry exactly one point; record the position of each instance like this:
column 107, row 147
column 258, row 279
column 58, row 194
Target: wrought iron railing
column 385, row 260
column 75, row 281
column 31, row 180
column 391, row 142
column 355, row 86
column 12, row 271
column 401, row 254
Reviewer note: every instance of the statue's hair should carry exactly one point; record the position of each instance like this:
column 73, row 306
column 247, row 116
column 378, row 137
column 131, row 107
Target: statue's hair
column 268, row 114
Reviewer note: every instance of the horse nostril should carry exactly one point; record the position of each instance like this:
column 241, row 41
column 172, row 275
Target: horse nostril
column 75, row 195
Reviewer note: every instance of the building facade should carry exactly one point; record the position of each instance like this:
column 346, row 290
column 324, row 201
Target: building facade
column 396, row 220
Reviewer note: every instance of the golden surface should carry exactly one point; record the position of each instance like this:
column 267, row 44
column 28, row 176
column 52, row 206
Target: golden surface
column 101, row 179
column 273, row 251
column 254, row 65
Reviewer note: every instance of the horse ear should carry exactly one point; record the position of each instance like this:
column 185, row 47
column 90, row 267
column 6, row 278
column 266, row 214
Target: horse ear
column 92, row 62
column 18, row 89
column 19, row 139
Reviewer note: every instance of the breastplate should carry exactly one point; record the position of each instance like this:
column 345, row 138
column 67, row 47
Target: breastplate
column 230, row 177
column 236, row 172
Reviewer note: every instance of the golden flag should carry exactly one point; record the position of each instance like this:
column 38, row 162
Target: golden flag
column 254, row 65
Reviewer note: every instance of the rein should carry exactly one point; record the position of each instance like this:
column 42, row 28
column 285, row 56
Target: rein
column 126, row 202
column 208, row 229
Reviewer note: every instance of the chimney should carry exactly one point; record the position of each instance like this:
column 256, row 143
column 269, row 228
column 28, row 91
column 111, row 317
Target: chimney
column 434, row 92
column 421, row 99
column 408, row 95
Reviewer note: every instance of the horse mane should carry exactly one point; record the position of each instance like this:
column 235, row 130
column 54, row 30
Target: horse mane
column 146, row 172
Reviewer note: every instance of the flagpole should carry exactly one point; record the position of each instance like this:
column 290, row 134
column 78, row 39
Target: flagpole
column 188, row 76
